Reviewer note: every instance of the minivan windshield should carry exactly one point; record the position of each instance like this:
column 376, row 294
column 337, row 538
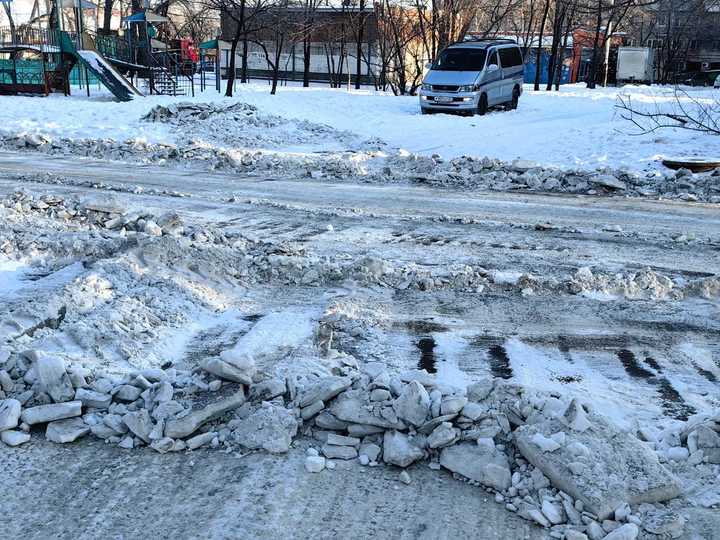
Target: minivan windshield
column 460, row 60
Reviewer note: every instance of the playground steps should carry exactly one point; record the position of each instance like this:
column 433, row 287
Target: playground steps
column 164, row 83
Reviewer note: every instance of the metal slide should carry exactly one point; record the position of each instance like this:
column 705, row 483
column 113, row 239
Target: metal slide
column 113, row 80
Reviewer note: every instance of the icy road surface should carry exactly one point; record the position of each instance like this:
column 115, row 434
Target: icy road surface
column 614, row 300
column 220, row 496
column 635, row 348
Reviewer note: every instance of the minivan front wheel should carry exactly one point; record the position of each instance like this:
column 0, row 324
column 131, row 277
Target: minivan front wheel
column 482, row 105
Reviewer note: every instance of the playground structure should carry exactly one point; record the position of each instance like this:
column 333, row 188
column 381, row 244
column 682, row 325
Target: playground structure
column 39, row 61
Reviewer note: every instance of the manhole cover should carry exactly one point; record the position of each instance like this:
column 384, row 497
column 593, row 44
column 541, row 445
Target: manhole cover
column 691, row 163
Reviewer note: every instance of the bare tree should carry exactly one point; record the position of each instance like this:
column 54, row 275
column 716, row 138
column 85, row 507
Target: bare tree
column 107, row 15
column 241, row 18
column 279, row 29
column 305, row 32
column 541, row 35
column 11, row 21
column 563, row 22
column 401, row 47
column 522, row 24
column 688, row 112
column 195, row 22
column 360, row 23
column 607, row 18
column 336, row 45
column 569, row 25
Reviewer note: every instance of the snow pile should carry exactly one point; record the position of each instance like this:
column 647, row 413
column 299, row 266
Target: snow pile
column 522, row 175
column 552, row 461
column 167, row 241
column 643, row 285
column 230, row 148
column 240, row 125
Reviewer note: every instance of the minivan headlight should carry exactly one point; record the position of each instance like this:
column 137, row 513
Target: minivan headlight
column 467, row 88
column 427, row 87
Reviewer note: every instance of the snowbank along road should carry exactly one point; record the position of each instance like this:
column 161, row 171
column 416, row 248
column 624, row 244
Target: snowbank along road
column 575, row 127
column 380, row 320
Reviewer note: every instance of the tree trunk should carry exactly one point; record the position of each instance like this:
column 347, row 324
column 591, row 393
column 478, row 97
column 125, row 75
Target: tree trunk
column 551, row 65
column 341, row 62
column 273, row 89
column 11, row 21
column 139, row 34
column 592, row 75
column 568, row 27
column 241, row 31
column 276, row 66
column 306, row 61
column 538, row 54
column 231, row 67
column 557, row 35
column 107, row 16
column 244, row 65
column 360, row 35
column 330, row 65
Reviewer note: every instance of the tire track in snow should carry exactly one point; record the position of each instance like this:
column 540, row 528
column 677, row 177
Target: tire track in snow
column 673, row 403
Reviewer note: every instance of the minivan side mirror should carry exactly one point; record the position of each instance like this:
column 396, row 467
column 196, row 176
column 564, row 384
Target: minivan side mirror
column 493, row 67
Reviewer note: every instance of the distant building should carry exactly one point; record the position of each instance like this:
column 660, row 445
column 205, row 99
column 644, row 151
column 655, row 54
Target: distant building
column 685, row 35
column 333, row 45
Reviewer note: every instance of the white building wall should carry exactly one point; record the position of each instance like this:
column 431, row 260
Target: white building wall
column 318, row 59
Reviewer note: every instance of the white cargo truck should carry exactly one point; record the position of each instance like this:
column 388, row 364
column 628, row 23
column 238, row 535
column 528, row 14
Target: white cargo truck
column 635, row 65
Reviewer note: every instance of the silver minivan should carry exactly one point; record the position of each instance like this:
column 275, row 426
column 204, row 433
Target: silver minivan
column 472, row 76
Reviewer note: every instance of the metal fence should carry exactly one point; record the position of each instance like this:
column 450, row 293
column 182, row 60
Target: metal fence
column 26, row 35
column 115, row 47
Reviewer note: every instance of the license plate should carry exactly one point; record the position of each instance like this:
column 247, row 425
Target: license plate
column 443, row 99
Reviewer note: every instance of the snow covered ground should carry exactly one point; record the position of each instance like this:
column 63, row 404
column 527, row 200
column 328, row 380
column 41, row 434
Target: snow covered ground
column 573, row 128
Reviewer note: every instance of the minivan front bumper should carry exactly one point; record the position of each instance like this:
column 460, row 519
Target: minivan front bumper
column 448, row 101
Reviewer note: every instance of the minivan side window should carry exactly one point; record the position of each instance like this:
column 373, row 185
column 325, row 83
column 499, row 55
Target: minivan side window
column 517, row 56
column 493, row 59
column 510, row 57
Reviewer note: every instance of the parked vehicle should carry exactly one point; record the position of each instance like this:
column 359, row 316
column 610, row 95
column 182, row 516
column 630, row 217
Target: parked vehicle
column 472, row 76
column 717, row 81
column 698, row 78
column 635, row 65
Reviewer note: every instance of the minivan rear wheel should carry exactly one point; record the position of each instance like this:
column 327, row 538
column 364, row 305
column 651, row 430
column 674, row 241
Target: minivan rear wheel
column 515, row 99
column 483, row 105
